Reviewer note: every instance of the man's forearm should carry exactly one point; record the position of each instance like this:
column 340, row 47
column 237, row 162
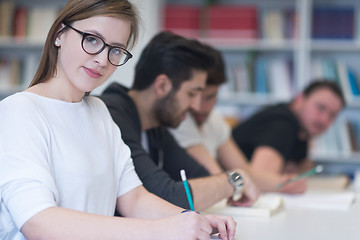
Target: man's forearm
column 209, row 190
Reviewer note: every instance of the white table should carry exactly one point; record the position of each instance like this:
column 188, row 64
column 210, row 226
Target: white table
column 296, row 224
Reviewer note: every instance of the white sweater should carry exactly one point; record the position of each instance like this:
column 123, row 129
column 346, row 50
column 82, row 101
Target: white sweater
column 56, row 153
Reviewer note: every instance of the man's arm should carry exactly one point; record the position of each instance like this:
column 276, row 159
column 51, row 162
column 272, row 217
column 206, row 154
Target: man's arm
column 206, row 191
column 210, row 190
column 155, row 179
column 231, row 157
column 266, row 168
column 202, row 156
column 267, row 159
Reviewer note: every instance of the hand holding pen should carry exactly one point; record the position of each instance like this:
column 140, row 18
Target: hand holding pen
column 291, row 185
column 217, row 222
column 187, row 189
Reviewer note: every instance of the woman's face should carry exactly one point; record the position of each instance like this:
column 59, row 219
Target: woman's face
column 80, row 72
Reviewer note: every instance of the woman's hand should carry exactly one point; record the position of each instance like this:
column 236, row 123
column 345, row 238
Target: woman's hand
column 194, row 226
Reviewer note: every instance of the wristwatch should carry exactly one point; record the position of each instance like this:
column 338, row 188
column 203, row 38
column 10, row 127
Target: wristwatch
column 236, row 180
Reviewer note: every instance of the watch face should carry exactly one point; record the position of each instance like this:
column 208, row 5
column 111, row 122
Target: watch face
column 236, row 178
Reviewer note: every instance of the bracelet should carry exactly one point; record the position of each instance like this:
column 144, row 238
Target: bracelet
column 188, row 210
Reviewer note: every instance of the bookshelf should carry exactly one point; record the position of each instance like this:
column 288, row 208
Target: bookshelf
column 23, row 32
column 295, row 41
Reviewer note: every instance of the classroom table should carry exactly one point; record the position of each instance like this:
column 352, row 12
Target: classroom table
column 301, row 224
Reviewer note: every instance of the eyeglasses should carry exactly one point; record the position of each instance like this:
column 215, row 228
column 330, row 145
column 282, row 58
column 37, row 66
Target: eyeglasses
column 93, row 45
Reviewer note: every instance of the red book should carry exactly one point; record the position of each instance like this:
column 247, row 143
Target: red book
column 184, row 20
column 20, row 22
column 233, row 21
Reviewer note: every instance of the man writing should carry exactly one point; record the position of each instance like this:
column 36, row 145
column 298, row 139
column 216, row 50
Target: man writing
column 169, row 78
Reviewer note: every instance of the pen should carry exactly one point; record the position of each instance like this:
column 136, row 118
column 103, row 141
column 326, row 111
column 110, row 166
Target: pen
column 187, row 189
column 311, row 172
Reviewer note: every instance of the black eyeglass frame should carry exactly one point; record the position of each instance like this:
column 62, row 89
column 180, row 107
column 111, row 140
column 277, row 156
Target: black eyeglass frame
column 84, row 35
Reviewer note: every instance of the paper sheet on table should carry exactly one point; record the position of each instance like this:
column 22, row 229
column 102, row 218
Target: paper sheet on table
column 327, row 200
column 329, row 182
column 266, row 206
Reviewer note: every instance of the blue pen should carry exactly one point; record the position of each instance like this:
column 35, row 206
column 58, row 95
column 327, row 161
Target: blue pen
column 187, row 189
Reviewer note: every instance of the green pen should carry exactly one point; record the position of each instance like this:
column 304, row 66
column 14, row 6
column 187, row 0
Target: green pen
column 187, row 189
column 311, row 172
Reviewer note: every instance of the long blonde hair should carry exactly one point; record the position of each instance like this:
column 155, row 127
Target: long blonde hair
column 76, row 10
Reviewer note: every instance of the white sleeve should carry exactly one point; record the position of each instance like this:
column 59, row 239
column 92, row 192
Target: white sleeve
column 128, row 177
column 219, row 128
column 187, row 134
column 124, row 165
column 26, row 182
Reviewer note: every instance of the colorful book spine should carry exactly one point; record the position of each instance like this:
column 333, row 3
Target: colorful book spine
column 333, row 23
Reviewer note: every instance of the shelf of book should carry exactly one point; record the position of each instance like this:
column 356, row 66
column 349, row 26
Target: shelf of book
column 13, row 44
column 335, row 45
column 23, row 29
column 292, row 43
column 353, row 158
column 246, row 99
column 224, row 44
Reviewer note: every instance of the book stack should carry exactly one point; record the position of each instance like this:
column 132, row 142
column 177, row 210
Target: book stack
column 216, row 21
column 183, row 20
column 9, row 73
column 226, row 21
column 25, row 23
column 6, row 18
column 16, row 72
column 37, row 27
column 279, row 24
column 262, row 77
column 333, row 23
column 20, row 25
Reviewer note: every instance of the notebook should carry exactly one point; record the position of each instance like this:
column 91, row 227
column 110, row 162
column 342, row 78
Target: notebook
column 266, row 206
column 329, row 182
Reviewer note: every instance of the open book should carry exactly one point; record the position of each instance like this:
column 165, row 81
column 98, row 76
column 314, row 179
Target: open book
column 266, row 206
column 324, row 192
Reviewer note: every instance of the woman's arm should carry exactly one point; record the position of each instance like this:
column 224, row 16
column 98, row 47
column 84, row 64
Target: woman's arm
column 139, row 203
column 60, row 223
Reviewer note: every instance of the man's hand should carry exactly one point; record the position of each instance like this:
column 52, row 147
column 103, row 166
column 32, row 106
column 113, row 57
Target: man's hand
column 250, row 192
column 296, row 187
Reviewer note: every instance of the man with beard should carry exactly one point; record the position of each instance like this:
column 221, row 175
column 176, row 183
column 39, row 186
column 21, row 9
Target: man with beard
column 169, row 78
column 207, row 137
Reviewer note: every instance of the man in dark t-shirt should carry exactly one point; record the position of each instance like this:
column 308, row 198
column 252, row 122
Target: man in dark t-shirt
column 276, row 138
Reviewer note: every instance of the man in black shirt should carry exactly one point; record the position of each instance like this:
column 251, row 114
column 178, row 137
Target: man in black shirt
column 169, row 78
column 276, row 138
